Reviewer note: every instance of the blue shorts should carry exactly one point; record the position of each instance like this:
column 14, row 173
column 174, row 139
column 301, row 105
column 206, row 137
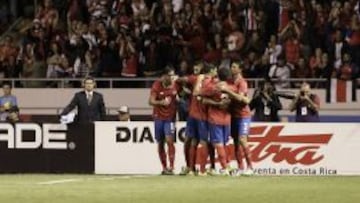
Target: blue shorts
column 219, row 134
column 196, row 128
column 240, row 127
column 164, row 128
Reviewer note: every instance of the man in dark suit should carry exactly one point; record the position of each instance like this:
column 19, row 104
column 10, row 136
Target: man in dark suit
column 90, row 104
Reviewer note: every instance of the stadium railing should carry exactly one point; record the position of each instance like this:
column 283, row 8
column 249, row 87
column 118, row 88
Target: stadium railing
column 145, row 82
column 140, row 82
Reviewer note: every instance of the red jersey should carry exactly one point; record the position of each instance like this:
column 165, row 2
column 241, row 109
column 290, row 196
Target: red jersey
column 216, row 115
column 238, row 109
column 197, row 110
column 160, row 92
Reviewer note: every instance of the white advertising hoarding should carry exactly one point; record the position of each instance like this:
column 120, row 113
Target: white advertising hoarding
column 277, row 148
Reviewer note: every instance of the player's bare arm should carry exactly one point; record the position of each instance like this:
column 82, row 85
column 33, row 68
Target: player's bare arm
column 158, row 102
column 240, row 97
column 223, row 103
column 197, row 88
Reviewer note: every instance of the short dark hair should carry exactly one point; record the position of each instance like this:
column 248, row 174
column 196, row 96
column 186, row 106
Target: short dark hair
column 198, row 62
column 282, row 57
column 167, row 70
column 89, row 78
column 6, row 84
column 267, row 80
column 224, row 74
column 207, row 68
column 239, row 63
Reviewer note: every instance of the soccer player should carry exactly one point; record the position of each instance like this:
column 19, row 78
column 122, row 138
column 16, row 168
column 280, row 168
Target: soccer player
column 241, row 117
column 163, row 99
column 190, row 142
column 196, row 126
column 199, row 122
column 218, row 115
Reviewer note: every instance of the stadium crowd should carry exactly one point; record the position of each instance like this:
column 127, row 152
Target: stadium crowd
column 138, row 38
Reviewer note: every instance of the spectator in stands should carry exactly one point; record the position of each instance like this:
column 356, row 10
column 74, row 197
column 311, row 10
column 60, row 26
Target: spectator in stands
column 7, row 101
column 114, row 38
column 273, row 50
column 88, row 33
column 348, row 70
column 302, row 70
column 306, row 105
column 109, row 63
column 337, row 48
column 129, row 57
column 41, row 42
column 48, row 15
column 323, row 70
column 225, row 59
column 261, row 68
column 315, row 60
column 124, row 113
column 320, row 24
column 8, row 53
column 266, row 103
column 57, row 63
column 292, row 50
column 32, row 66
column 98, row 9
column 255, row 44
column 150, row 60
column 290, row 36
column 9, row 68
column 250, row 65
column 235, row 42
column 7, row 48
column 353, row 38
column 280, row 72
column 81, row 62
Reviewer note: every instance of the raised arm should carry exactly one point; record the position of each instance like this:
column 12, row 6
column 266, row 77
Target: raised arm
column 223, row 103
column 238, row 96
column 314, row 103
column 293, row 103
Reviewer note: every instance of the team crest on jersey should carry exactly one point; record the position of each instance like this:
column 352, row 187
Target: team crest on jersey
column 224, row 96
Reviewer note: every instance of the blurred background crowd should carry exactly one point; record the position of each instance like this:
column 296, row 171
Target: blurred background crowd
column 138, row 38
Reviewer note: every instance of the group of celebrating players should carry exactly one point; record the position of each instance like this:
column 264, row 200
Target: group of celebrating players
column 218, row 109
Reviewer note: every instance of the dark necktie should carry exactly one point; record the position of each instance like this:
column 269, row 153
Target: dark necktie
column 89, row 98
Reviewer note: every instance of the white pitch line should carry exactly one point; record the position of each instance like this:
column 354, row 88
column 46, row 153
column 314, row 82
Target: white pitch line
column 58, row 181
column 126, row 177
column 142, row 176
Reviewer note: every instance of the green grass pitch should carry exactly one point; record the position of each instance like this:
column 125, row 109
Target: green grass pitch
column 174, row 189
